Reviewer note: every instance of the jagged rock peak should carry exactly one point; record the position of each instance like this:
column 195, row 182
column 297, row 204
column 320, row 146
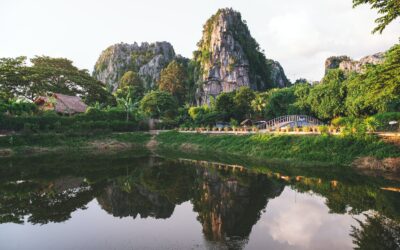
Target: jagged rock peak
column 146, row 59
column 229, row 58
column 277, row 74
column 346, row 64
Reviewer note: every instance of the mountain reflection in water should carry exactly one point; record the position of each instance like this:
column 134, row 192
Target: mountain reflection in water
column 166, row 200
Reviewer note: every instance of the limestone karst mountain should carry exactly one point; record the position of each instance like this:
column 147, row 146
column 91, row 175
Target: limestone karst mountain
column 347, row 64
column 230, row 205
column 147, row 59
column 229, row 58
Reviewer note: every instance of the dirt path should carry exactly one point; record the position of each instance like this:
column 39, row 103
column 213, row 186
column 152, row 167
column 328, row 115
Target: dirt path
column 153, row 143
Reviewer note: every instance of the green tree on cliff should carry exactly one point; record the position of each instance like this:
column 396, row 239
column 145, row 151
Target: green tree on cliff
column 243, row 98
column 225, row 104
column 130, row 87
column 377, row 89
column 173, row 79
column 130, row 79
column 159, row 104
column 280, row 102
column 327, row 98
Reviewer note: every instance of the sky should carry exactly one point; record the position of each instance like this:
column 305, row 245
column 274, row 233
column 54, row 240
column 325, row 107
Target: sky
column 298, row 34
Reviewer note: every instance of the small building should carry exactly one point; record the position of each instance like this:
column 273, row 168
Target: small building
column 62, row 104
column 246, row 123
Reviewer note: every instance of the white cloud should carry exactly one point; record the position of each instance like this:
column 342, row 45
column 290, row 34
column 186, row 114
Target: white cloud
column 296, row 230
column 301, row 221
column 303, row 35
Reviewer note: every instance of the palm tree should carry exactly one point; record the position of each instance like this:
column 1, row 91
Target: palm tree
column 259, row 104
column 127, row 103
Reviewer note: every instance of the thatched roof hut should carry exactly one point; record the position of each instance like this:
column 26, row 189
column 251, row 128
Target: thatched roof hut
column 62, row 104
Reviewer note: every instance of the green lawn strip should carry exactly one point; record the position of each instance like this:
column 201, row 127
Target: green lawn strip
column 24, row 143
column 321, row 148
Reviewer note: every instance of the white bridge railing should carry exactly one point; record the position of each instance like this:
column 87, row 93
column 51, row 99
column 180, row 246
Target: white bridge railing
column 283, row 120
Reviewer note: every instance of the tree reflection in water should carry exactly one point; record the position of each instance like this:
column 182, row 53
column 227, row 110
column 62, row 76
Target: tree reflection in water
column 43, row 201
column 228, row 201
column 377, row 232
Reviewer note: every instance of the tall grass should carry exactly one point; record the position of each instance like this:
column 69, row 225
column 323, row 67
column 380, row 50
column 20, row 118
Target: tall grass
column 327, row 149
column 68, row 140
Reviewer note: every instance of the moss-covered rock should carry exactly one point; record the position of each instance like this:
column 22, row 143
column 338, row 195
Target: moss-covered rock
column 146, row 59
column 229, row 58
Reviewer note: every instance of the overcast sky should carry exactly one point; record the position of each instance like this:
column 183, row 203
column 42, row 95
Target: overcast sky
column 300, row 34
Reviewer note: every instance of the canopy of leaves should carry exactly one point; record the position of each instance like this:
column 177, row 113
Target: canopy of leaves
column 130, row 87
column 260, row 69
column 136, row 93
column 56, row 75
column 280, row 102
column 225, row 103
column 327, row 99
column 236, row 104
column 17, row 108
column 205, row 115
column 243, row 98
column 302, row 93
column 159, row 104
column 259, row 104
column 55, row 63
column 195, row 112
column 377, row 89
column 389, row 9
column 173, row 80
column 193, row 78
column 130, row 79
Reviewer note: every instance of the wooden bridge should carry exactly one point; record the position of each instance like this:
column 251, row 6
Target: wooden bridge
column 290, row 120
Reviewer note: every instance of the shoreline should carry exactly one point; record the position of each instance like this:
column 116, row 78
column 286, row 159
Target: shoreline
column 316, row 150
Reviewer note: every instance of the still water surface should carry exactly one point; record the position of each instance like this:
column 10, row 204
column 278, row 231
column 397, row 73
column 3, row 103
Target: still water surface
column 158, row 203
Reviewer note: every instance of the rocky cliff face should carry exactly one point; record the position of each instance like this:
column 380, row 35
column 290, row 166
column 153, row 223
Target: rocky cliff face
column 229, row 58
column 146, row 59
column 277, row 74
column 346, row 64
column 229, row 208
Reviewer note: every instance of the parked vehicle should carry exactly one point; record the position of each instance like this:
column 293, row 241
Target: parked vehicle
column 222, row 125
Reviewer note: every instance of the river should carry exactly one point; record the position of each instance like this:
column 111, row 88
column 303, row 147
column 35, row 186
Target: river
column 136, row 201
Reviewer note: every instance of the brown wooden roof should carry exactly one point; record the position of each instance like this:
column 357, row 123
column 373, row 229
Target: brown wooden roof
column 64, row 104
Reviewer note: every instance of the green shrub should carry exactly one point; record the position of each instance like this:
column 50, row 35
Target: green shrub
column 234, row 123
column 94, row 119
column 339, row 122
column 384, row 118
column 355, row 127
column 167, row 124
column 372, row 124
column 324, row 129
column 27, row 129
column 18, row 108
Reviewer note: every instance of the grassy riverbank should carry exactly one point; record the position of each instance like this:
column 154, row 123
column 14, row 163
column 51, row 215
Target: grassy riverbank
column 317, row 149
column 32, row 144
column 333, row 150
